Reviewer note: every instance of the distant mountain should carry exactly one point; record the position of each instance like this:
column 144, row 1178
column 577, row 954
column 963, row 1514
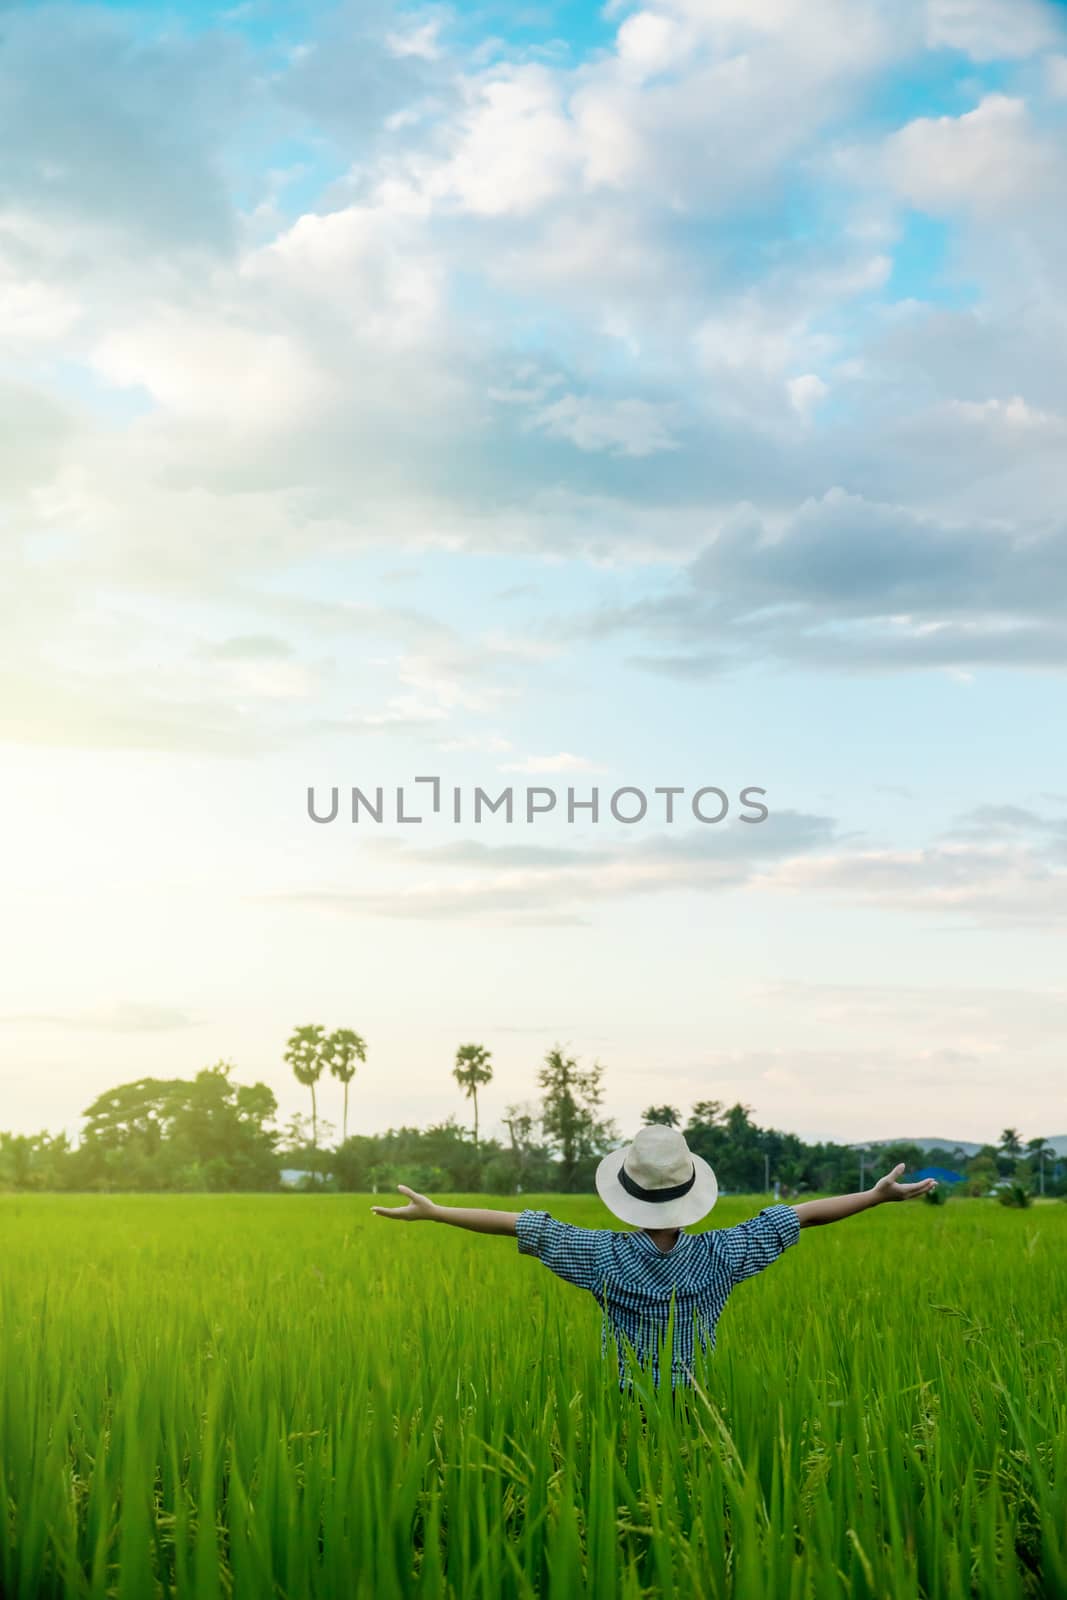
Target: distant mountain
column 1058, row 1143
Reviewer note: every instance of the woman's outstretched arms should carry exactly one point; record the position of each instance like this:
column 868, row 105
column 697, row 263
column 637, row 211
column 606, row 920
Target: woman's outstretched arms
column 421, row 1209
column 812, row 1213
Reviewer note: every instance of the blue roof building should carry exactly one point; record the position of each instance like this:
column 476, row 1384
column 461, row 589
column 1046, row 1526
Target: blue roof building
column 942, row 1174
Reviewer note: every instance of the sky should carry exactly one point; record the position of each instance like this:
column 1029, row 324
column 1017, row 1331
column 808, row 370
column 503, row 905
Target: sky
column 550, row 397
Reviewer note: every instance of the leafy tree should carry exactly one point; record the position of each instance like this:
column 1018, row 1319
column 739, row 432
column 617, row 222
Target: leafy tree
column 294, row 1146
column 439, row 1157
column 526, row 1163
column 305, row 1053
column 791, row 1174
column 124, row 1135
column 705, row 1113
column 912, row 1155
column 342, row 1050
column 296, row 1136
column 520, row 1123
column 660, row 1117
column 34, row 1161
column 980, row 1172
column 208, row 1132
column 739, row 1124
column 445, row 1146
column 219, row 1134
column 352, row 1162
column 731, row 1142
column 936, row 1156
column 705, row 1137
column 472, row 1069
column 572, row 1096
column 1010, row 1142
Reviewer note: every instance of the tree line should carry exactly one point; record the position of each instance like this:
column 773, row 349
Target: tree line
column 214, row 1133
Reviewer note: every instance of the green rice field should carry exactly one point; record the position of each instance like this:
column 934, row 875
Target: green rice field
column 286, row 1396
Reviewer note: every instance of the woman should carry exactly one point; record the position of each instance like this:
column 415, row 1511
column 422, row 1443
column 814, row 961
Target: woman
column 658, row 1281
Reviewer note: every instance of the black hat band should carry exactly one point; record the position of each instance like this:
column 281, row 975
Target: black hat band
column 656, row 1196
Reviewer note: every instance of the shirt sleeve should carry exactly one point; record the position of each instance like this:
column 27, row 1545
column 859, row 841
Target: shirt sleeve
column 754, row 1244
column 570, row 1252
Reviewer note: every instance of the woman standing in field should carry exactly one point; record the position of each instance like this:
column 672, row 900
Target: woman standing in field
column 658, row 1279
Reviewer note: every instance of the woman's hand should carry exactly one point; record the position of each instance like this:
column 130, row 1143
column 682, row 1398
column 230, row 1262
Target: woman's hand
column 888, row 1188
column 418, row 1208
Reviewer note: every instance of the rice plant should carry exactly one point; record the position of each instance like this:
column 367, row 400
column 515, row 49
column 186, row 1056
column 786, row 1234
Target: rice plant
column 274, row 1396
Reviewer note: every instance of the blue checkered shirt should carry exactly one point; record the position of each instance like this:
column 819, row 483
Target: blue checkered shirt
column 638, row 1286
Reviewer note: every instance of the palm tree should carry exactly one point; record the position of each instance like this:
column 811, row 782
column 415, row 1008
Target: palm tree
column 1011, row 1144
column 305, row 1054
column 1040, row 1151
column 472, row 1069
column 342, row 1050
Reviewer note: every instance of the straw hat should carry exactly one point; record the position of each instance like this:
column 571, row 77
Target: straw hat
column 657, row 1182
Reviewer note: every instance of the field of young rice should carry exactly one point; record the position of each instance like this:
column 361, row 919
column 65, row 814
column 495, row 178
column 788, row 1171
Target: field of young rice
column 286, row 1396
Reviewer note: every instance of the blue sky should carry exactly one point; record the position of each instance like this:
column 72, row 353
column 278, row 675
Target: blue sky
column 554, row 395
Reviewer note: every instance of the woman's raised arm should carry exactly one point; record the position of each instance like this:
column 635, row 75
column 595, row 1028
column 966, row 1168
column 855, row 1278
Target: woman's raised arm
column 420, row 1208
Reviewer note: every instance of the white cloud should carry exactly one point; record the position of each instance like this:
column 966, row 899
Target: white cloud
column 651, row 135
column 754, row 342
column 207, row 368
column 512, row 149
column 979, row 884
column 997, row 880
column 421, row 41
column 986, row 161
column 842, row 583
column 805, row 393
column 628, row 426
column 748, row 336
column 34, row 311
column 640, row 118
column 988, row 30
column 547, row 883
column 650, row 42
column 563, row 762
column 1013, row 416
column 620, row 427
column 123, row 1017
column 370, row 265
column 489, row 744
column 272, row 680
column 321, row 385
